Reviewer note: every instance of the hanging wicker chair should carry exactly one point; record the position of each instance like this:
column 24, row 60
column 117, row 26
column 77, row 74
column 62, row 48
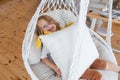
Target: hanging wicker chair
column 39, row 71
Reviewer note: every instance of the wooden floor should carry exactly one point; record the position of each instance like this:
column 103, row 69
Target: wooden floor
column 14, row 17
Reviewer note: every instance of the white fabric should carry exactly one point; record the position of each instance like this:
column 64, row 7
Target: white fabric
column 97, row 1
column 68, row 16
column 34, row 56
column 44, row 72
column 61, row 45
column 44, row 52
column 106, row 54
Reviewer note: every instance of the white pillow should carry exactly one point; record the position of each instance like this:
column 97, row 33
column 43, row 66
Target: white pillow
column 72, row 50
column 34, row 55
column 68, row 16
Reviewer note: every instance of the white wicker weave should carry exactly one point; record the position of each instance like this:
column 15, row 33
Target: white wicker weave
column 49, row 5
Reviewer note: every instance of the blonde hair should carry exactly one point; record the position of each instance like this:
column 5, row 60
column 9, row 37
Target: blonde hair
column 48, row 19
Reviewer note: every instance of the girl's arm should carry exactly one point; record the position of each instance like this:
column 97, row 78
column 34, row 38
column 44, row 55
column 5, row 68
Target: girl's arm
column 51, row 65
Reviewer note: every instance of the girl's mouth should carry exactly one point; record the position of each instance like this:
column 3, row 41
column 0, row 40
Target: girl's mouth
column 51, row 29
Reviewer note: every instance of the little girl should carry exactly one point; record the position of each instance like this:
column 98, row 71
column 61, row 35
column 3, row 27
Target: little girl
column 46, row 23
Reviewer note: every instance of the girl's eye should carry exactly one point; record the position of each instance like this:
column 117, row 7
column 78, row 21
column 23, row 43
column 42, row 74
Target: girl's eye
column 44, row 26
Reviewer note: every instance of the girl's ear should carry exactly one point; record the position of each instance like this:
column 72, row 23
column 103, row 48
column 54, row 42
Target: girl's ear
column 39, row 31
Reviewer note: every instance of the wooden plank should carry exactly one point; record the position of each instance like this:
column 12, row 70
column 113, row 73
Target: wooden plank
column 14, row 17
column 15, row 60
column 21, row 74
column 9, row 4
column 6, row 74
column 14, row 57
column 98, row 16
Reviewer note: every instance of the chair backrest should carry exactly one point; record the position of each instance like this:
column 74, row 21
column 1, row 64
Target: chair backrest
column 107, row 5
column 98, row 5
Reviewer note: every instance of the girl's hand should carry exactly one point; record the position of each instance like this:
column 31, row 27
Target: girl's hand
column 58, row 72
column 53, row 66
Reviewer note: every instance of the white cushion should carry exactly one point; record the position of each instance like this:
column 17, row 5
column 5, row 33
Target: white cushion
column 68, row 16
column 73, row 52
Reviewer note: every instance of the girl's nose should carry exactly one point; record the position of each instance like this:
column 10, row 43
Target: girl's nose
column 49, row 26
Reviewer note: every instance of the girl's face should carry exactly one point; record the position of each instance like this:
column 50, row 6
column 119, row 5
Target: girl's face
column 46, row 26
